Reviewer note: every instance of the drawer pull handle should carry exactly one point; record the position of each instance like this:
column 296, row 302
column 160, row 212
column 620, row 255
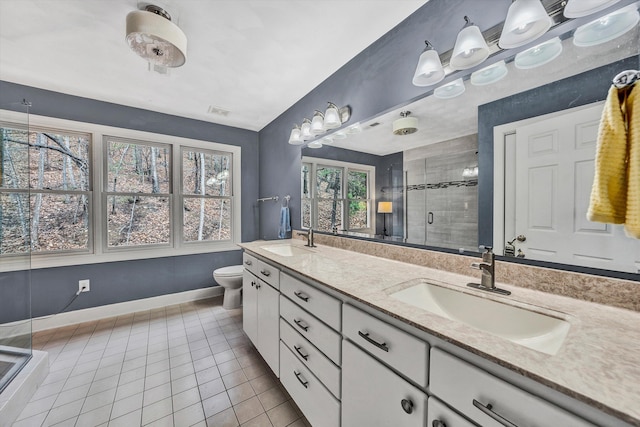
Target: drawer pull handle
column 248, row 262
column 301, row 325
column 304, row 383
column 265, row 273
column 438, row 423
column 302, row 296
column 488, row 411
column 407, row 405
column 253, row 283
column 304, row 356
column 381, row 346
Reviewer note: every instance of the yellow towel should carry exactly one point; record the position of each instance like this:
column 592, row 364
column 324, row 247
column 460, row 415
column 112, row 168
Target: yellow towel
column 632, row 217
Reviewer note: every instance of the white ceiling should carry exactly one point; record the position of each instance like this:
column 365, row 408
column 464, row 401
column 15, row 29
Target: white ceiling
column 253, row 58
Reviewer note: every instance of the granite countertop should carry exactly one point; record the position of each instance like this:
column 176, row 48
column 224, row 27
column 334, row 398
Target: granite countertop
column 598, row 362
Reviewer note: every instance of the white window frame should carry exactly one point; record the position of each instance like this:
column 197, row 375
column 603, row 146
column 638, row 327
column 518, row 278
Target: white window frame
column 98, row 253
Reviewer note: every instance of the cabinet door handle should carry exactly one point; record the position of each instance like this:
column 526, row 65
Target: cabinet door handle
column 301, row 325
column 302, row 296
column 304, row 383
column 248, row 262
column 265, row 273
column 381, row 346
column 488, row 411
column 430, row 218
column 258, row 285
column 304, row 356
column 407, row 405
column 253, row 283
column 438, row 423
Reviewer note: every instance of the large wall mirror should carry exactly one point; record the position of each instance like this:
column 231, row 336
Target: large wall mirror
column 462, row 178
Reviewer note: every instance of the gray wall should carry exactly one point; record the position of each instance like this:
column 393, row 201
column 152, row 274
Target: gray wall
column 53, row 288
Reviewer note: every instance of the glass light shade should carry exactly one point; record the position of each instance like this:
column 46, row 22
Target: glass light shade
column 539, row 55
column 317, row 123
column 526, row 21
column 470, row 49
column 490, row 74
column 579, row 8
column 607, row 28
column 385, row 207
column 332, row 117
column 305, row 130
column 326, row 140
column 296, row 136
column 339, row 135
column 450, row 90
column 429, row 70
column 156, row 39
column 354, row 129
column 315, row 144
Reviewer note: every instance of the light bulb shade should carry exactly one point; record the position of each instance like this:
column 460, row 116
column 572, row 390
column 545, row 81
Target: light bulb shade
column 450, row 90
column 607, row 28
column 490, row 74
column 315, row 144
column 156, row 39
column 327, row 139
column 429, row 70
column 385, row 207
column 339, row 135
column 580, row 8
column 470, row 49
column 526, row 21
column 332, row 117
column 296, row 137
column 405, row 126
column 305, row 130
column 539, row 55
column 317, row 123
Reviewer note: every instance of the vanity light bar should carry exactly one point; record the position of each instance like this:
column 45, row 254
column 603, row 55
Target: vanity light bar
column 333, row 118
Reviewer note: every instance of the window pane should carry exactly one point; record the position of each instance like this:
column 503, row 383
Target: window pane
column 329, row 182
column 359, row 214
column 14, row 220
column 137, row 220
column 59, row 222
column 357, row 183
column 306, row 180
column 207, row 219
column 206, row 173
column 329, row 215
column 137, row 168
column 58, row 161
column 306, row 213
column 15, row 158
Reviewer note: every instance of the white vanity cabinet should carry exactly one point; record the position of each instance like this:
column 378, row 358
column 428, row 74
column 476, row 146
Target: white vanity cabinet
column 261, row 313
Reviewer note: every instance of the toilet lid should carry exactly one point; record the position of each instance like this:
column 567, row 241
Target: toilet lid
column 233, row 270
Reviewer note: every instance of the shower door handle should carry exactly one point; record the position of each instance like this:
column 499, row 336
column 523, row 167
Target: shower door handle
column 430, row 218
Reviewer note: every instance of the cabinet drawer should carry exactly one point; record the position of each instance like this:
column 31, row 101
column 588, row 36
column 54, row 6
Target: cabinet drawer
column 319, row 334
column 250, row 263
column 374, row 395
column 403, row 352
column 438, row 411
column 269, row 274
column 483, row 398
column 315, row 401
column 321, row 305
column 312, row 358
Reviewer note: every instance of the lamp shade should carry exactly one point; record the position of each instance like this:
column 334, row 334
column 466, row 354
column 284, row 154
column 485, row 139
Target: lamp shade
column 579, row 8
column 607, row 28
column 296, row 137
column 539, row 55
column 305, row 130
column 385, row 207
column 315, row 144
column 155, row 38
column 490, row 74
column 526, row 21
column 450, row 90
column 470, row 49
column 317, row 123
column 429, row 70
column 332, row 117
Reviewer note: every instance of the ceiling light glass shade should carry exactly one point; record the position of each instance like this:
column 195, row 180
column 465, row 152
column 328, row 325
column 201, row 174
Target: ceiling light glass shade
column 450, row 90
column 607, row 28
column 470, row 49
column 354, row 129
column 339, row 135
column 429, row 70
column 580, row 8
column 526, row 21
column 156, row 39
column 327, row 140
column 317, row 123
column 315, row 144
column 490, row 74
column 305, row 130
column 332, row 117
column 296, row 136
column 405, row 125
column 539, row 55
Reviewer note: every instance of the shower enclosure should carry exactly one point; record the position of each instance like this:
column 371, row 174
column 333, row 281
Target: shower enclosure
column 15, row 243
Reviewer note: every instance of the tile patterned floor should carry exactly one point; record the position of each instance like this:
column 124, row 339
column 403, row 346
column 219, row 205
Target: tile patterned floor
column 183, row 365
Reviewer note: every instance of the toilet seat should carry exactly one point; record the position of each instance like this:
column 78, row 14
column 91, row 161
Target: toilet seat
column 233, row 270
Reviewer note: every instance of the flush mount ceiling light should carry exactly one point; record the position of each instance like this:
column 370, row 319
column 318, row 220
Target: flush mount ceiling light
column 429, row 70
column 577, row 9
column 539, row 55
column 296, row 136
column 450, row 90
column 406, row 125
column 490, row 74
column 526, row 21
column 152, row 35
column 607, row 28
column 470, row 48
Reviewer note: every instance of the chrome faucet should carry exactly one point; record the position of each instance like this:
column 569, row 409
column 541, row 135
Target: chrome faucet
column 488, row 268
column 309, row 235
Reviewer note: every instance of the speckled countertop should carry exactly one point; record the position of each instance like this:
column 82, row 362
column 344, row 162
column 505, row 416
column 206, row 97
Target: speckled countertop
column 598, row 362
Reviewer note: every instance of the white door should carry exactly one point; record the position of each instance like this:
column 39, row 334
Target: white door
column 554, row 169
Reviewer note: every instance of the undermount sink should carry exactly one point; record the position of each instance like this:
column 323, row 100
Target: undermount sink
column 532, row 329
column 286, row 250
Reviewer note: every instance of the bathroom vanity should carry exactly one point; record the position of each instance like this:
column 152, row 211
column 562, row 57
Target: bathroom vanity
column 351, row 341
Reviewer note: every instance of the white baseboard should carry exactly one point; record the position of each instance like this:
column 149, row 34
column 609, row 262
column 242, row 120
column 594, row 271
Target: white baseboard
column 118, row 309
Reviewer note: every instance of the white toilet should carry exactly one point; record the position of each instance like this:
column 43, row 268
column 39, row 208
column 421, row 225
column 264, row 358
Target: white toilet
column 230, row 278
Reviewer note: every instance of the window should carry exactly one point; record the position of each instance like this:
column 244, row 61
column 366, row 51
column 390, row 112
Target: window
column 328, row 203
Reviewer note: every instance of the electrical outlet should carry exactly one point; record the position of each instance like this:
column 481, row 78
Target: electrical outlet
column 84, row 285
